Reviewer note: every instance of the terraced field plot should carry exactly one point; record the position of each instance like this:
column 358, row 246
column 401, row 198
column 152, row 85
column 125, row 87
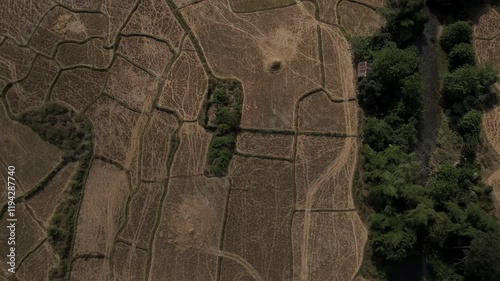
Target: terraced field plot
column 142, row 206
column 487, row 46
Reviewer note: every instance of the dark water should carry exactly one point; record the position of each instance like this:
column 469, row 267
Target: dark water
column 431, row 117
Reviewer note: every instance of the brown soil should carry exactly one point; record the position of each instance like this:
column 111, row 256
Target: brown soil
column 102, row 209
column 265, row 144
column 32, row 91
column 186, row 85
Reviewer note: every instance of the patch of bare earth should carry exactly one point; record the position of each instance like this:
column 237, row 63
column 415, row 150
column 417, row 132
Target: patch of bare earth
column 142, row 213
column 63, row 25
column 116, row 128
column 156, row 146
column 46, row 201
column 274, row 53
column 191, row 154
column 90, row 54
column 79, row 87
column 258, row 5
column 187, row 239
column 129, row 263
column 257, row 231
column 337, row 61
column 265, row 144
column 325, row 166
column 358, row 19
column 149, row 53
column 24, row 149
column 38, row 264
column 318, row 113
column 186, row 85
column 488, row 24
column 491, row 127
column 153, row 17
column 15, row 61
column 19, row 19
column 28, row 233
column 334, row 248
column 494, row 181
column 101, row 211
column 130, row 85
column 328, row 10
column 32, row 91
column 95, row 269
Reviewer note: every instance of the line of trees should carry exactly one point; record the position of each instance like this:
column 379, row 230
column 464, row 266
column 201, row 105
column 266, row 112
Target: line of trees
column 224, row 100
column 445, row 218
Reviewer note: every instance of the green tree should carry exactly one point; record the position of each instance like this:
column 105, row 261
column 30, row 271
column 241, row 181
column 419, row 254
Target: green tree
column 405, row 20
column 482, row 262
column 470, row 124
column 460, row 55
column 454, row 34
column 393, row 74
column 458, row 86
column 377, row 133
column 390, row 238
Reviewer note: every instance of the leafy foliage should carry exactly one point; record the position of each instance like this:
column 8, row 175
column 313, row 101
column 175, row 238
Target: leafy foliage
column 460, row 55
column 454, row 34
column 61, row 127
column 225, row 98
column 405, row 20
column 484, row 253
column 395, row 77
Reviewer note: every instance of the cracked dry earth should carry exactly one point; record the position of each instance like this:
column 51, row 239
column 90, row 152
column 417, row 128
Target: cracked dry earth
column 486, row 44
column 139, row 71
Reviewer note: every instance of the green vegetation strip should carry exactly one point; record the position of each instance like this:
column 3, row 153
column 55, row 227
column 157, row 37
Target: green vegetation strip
column 222, row 115
column 438, row 225
column 73, row 134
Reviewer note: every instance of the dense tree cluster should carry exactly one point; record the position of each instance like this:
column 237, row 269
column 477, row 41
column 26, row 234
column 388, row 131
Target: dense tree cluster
column 61, row 127
column 225, row 102
column 445, row 217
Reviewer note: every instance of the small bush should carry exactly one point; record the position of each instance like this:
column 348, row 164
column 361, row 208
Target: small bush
column 460, row 55
column 454, row 34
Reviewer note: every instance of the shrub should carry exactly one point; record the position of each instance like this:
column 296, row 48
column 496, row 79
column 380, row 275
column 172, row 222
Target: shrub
column 460, row 55
column 454, row 34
